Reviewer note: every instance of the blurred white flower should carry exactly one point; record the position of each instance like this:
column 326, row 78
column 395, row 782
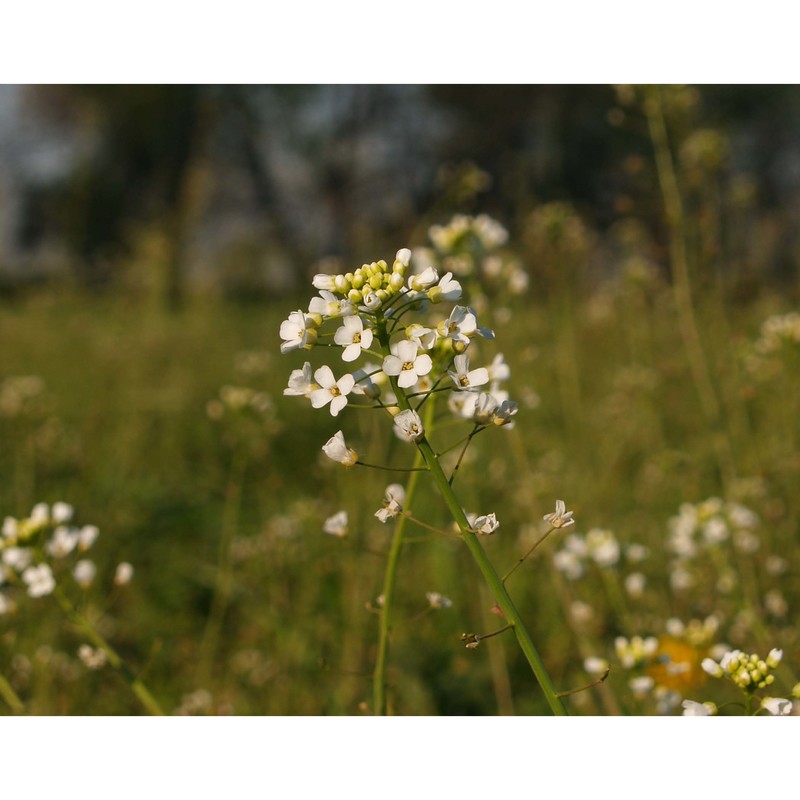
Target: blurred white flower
column 91, row 657
column 87, row 536
column 39, row 579
column 336, row 525
column 61, row 512
column 561, row 518
column 123, row 574
column 777, row 706
column 694, row 709
column 438, row 601
column 84, row 573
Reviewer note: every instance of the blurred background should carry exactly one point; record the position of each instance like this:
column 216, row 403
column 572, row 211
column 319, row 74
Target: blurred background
column 152, row 238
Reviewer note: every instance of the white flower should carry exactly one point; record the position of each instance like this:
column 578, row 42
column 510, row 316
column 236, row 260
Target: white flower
column 499, row 369
column 301, row 382
column 354, row 337
column 17, row 557
column 485, row 524
column 485, row 407
column 93, row 659
column 641, row 685
column 298, row 331
column 403, row 255
column 561, row 518
column 336, row 448
column 635, row 583
column 62, row 512
column 694, row 709
column 40, row 515
column 370, row 299
column 10, row 526
column 438, row 601
column 328, row 305
column 447, row 289
column 407, row 363
column 423, row 281
column 463, row 377
column 408, row 426
column 424, row 338
column 84, row 573
column 595, row 666
column 331, row 391
column 39, row 579
column 336, row 525
column 393, row 504
column 777, row 706
column 324, row 282
column 63, row 542
column 504, row 412
column 774, row 657
column 124, row 573
column 87, row 536
column 459, row 325
column 711, row 667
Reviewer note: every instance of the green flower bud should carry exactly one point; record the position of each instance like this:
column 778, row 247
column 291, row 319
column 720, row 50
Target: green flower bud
column 354, row 296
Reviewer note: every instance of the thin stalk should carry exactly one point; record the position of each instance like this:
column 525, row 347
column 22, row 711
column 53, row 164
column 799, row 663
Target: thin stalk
column 389, row 580
column 476, row 551
column 493, row 579
column 114, row 659
column 521, row 560
column 10, row 696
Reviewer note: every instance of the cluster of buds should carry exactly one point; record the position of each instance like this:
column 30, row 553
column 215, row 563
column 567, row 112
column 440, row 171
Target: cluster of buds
column 748, row 671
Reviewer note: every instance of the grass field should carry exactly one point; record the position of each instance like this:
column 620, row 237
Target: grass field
column 240, row 603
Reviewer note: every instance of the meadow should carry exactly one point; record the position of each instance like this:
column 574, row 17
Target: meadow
column 654, row 380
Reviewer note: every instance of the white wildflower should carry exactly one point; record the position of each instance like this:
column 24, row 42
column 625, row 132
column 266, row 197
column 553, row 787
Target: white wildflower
column 408, row 426
column 354, row 337
column 301, row 382
column 777, row 706
column 407, row 363
column 561, row 518
column 485, row 524
column 123, row 574
column 463, row 377
column 39, row 579
column 438, row 601
column 336, row 449
column 393, row 504
column 331, row 391
column 299, row 331
column 84, row 573
column 694, row 709
column 336, row 525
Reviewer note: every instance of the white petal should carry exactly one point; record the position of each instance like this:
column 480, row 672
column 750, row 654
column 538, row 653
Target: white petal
column 324, row 377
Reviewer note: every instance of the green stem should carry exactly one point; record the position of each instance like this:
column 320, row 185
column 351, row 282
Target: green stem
column 493, row 579
column 10, row 696
column 389, row 580
column 91, row 633
column 476, row 551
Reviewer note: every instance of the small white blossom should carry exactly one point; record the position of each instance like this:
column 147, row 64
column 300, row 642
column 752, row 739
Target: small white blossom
column 324, row 282
column 39, row 579
column 17, row 558
column 407, row 363
column 423, row 281
column 63, row 542
column 336, row 525
column 84, row 573
column 641, row 686
column 486, row 406
column 354, row 337
column 336, row 449
column 87, row 536
column 331, row 391
column 635, row 583
column 694, row 709
column 299, row 331
column 561, row 518
column 447, row 289
column 504, row 412
column 123, row 574
column 461, row 323
column 711, row 668
column 499, row 369
column 437, row 601
column 91, row 657
column 61, row 512
column 777, row 706
column 10, row 527
column 328, row 305
column 40, row 514
column 774, row 657
column 463, row 377
column 393, row 504
column 485, row 524
column 424, row 338
column 301, row 382
column 408, row 426
column 595, row 666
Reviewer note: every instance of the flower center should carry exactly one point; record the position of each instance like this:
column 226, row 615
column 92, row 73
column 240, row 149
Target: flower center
column 335, row 391
column 463, row 380
column 356, row 338
column 408, row 365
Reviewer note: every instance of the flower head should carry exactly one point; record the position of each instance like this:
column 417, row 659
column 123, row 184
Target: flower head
column 393, row 503
column 298, row 331
column 336, row 448
column 331, row 391
column 561, row 518
column 485, row 524
column 408, row 426
column 354, row 337
column 463, row 378
column 407, row 363
column 301, row 382
column 336, row 525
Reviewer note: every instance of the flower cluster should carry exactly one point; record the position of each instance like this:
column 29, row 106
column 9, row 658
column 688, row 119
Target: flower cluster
column 748, row 671
column 704, row 526
column 366, row 309
column 778, row 342
column 34, row 548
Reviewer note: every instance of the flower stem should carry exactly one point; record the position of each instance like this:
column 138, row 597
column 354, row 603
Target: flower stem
column 389, row 580
column 493, row 579
column 10, row 696
column 91, row 633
